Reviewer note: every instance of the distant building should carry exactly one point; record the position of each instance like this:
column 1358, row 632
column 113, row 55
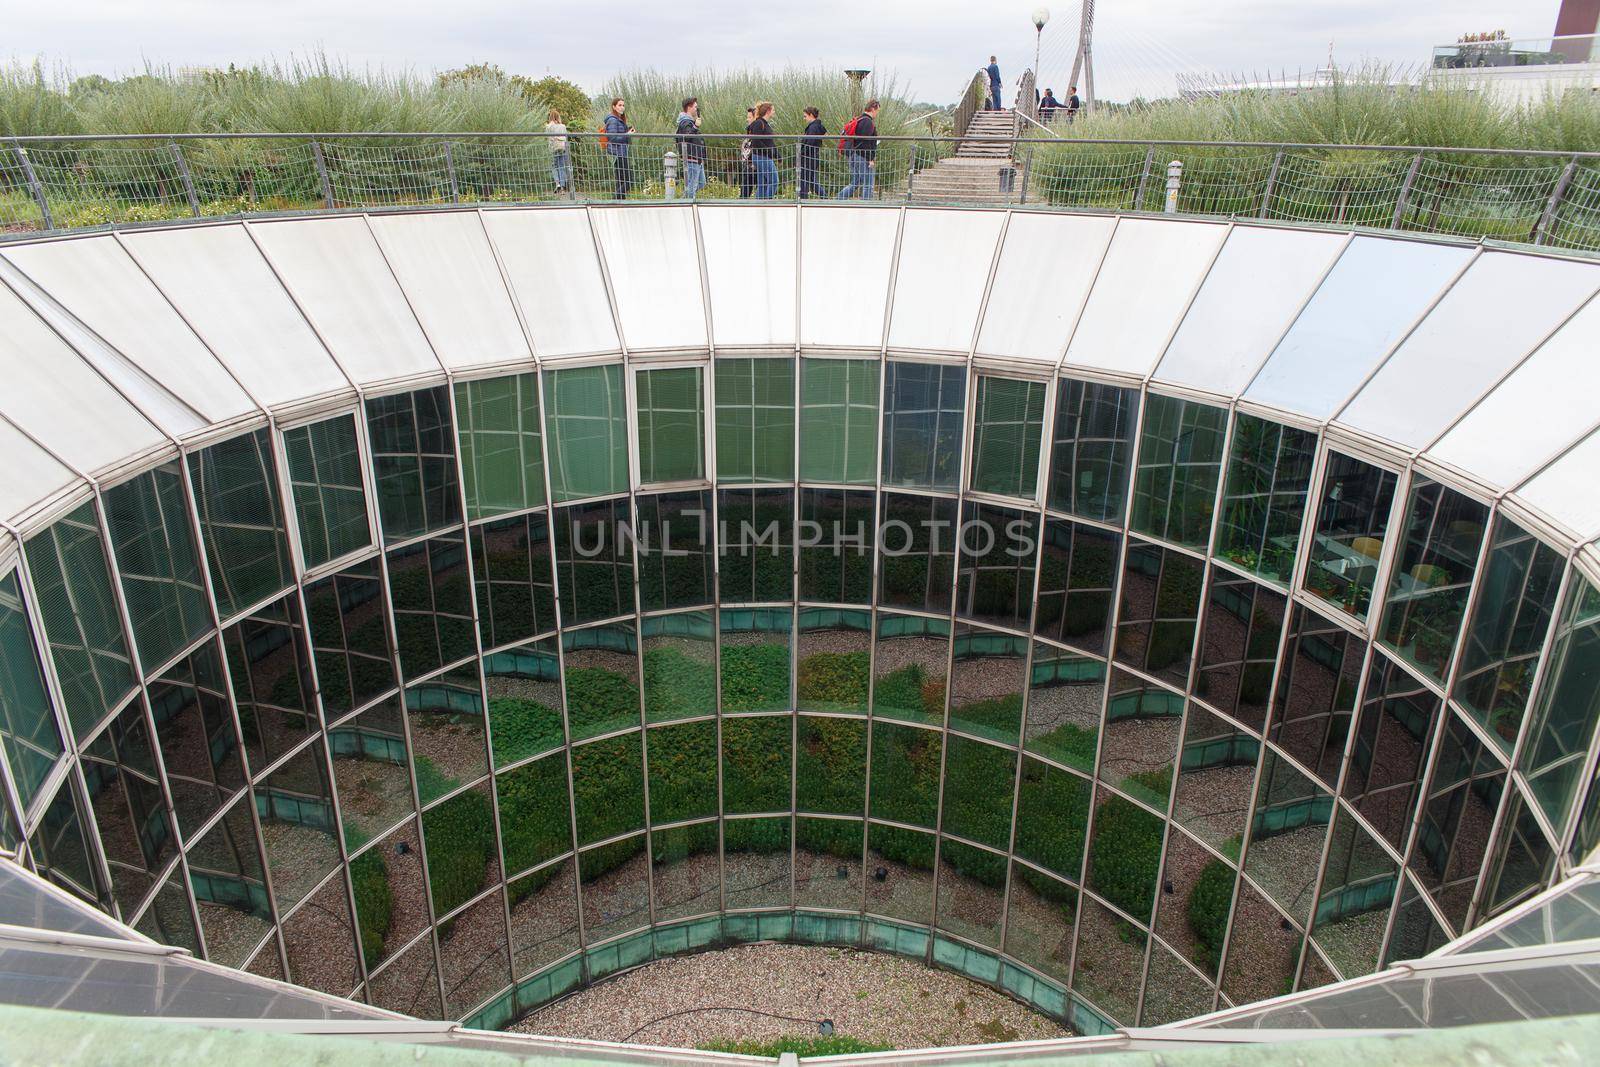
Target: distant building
column 1525, row 69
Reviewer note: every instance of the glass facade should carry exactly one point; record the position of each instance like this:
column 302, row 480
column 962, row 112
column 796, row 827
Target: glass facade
column 1174, row 705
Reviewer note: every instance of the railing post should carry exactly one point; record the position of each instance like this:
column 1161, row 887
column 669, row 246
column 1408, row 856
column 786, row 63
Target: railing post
column 188, row 181
column 1027, row 173
column 1272, row 182
column 322, row 174
column 450, row 172
column 1144, row 179
column 1405, row 191
column 1174, row 184
column 1541, row 228
column 34, row 187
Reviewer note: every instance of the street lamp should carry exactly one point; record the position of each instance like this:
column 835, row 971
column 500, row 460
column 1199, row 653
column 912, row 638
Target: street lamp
column 856, row 78
column 1041, row 15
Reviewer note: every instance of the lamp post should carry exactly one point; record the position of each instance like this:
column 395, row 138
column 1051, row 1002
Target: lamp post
column 1041, row 15
column 856, row 78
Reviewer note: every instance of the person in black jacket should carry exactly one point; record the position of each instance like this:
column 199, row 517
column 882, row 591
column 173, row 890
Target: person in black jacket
column 807, row 157
column 764, row 151
column 691, row 148
column 861, row 152
column 747, row 163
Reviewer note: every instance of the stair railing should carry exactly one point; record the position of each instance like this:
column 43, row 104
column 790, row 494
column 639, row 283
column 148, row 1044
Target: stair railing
column 971, row 102
column 1027, row 104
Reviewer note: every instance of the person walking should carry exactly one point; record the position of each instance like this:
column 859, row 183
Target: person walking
column 861, row 152
column 764, row 151
column 1074, row 105
column 747, row 163
column 691, row 148
column 1047, row 107
column 617, row 141
column 993, row 103
column 808, row 155
column 560, row 159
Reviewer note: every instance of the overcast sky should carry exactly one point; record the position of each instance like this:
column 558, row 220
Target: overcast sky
column 931, row 45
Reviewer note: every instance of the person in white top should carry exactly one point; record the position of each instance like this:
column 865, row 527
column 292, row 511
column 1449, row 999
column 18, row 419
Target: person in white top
column 560, row 161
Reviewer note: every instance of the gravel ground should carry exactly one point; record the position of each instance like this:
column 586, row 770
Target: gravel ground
column 1354, row 943
column 320, row 941
column 1212, row 802
column 299, row 856
column 870, row 996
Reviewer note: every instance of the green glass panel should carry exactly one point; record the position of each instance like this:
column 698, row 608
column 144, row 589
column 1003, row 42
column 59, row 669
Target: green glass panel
column 1433, row 576
column 534, row 816
column 1125, row 854
column 72, row 586
column 685, row 863
column 683, row 771
column 371, row 772
column 447, row 732
column 1180, row 459
column 1352, row 522
column 1161, row 593
column 1269, row 473
column 1077, row 585
column 1567, row 707
column 913, row 662
column 461, row 849
column 155, row 551
column 594, row 561
column 917, row 552
column 1092, row 449
column 971, row 892
column 755, row 859
column 672, row 423
column 29, row 737
column 501, row 437
column 414, row 462
column 432, row 602
column 350, row 638
column 1289, row 827
column 756, row 542
column 999, row 551
column 755, row 420
column 836, row 543
column 241, row 521
column 230, row 887
column 602, row 679
column 755, row 659
column 755, row 764
column 923, row 404
column 839, row 420
column 675, row 544
column 586, row 419
column 608, row 786
column 295, row 805
column 330, row 503
column 524, row 690
column 1052, row 817
column 978, row 783
column 60, row 851
column 831, row 766
column 1065, row 696
column 987, row 682
column 680, row 676
column 136, row 829
column 512, row 578
column 1006, row 431
column 834, row 660
column 900, row 874
column 194, row 727
column 905, row 774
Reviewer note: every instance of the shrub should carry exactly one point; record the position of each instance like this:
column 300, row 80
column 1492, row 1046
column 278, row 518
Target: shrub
column 608, row 785
column 599, row 701
column 683, row 771
column 534, row 822
column 831, row 766
column 1126, row 856
column 834, row 681
column 905, row 773
column 977, row 793
column 834, row 1045
column 1052, row 814
column 522, row 727
column 369, row 877
column 755, row 772
column 755, row 677
column 831, row 837
column 898, row 845
column 1208, row 911
column 460, row 835
column 677, row 686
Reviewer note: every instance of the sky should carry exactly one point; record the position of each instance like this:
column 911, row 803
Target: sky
column 932, row 46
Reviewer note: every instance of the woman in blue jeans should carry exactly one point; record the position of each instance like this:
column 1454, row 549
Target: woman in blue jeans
column 560, row 160
column 764, row 151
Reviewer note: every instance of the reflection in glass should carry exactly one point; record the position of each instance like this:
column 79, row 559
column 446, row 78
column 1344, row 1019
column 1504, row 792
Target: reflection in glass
column 1392, row 735
column 912, row 662
column 462, row 858
column 1568, row 705
column 834, row 660
column 900, row 873
column 1160, row 603
column 988, row 678
column 167, row 918
column 836, row 545
column 994, row 581
column 683, row 771
column 1269, row 471
column 675, row 545
column 1316, row 696
column 755, row 659
column 235, row 485
column 839, row 420
column 1065, row 695
column 1125, row 854
column 135, row 828
column 544, row 917
column 977, row 792
column 1352, row 521
column 350, row 638
column 1091, row 448
column 160, row 568
column 1110, row 960
column 512, row 579
column 922, row 416
column 608, row 787
column 409, row 985
column 1358, row 888
column 1172, row 991
column 831, row 765
column 1006, row 428
column 905, row 774
column 330, row 502
column 602, row 679
column 1457, row 818
column 198, row 741
column 755, row 764
column 413, row 461
column 1239, row 647
column 755, row 420
column 1076, row 584
column 447, row 732
column 319, row 940
column 29, row 739
column 594, row 561
column 828, row 864
column 1196, row 899
column 1417, row 930
column 917, row 556
column 615, row 881
column 756, row 540
column 1287, row 833
column 60, row 852
column 1180, row 458
column 671, row 424
column 1432, row 575
column 680, row 677
column 502, row 444
column 1039, row 921
column 586, row 431
column 271, row 673
column 756, row 862
column 1052, row 816
column 1522, row 861
column 972, row 883
column 524, row 690
column 534, row 813
column 391, row 894
column 684, row 864
column 371, row 772
column 1263, row 950
column 1143, row 724
column 473, row 955
column 432, row 602
column 1216, row 779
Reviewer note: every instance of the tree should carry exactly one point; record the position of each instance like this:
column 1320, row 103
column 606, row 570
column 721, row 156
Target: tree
column 548, row 92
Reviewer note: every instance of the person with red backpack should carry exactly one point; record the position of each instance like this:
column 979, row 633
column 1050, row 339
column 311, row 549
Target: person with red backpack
column 859, row 146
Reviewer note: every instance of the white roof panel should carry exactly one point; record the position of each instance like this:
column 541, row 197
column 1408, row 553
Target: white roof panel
column 1045, row 270
column 550, row 261
column 1148, row 276
column 654, row 265
column 217, row 278
column 1257, row 286
column 845, row 257
column 32, row 474
column 447, row 269
column 1565, row 490
column 339, row 278
column 944, row 268
column 750, row 268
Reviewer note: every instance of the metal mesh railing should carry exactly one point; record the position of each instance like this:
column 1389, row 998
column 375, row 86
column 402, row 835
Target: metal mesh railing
column 84, row 182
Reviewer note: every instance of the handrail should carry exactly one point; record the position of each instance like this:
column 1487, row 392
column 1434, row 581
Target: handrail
column 1027, row 102
column 971, row 102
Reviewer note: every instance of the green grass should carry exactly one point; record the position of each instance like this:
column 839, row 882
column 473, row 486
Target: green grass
column 836, row 1045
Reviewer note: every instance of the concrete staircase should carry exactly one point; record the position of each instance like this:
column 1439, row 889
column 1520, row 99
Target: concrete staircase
column 973, row 174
